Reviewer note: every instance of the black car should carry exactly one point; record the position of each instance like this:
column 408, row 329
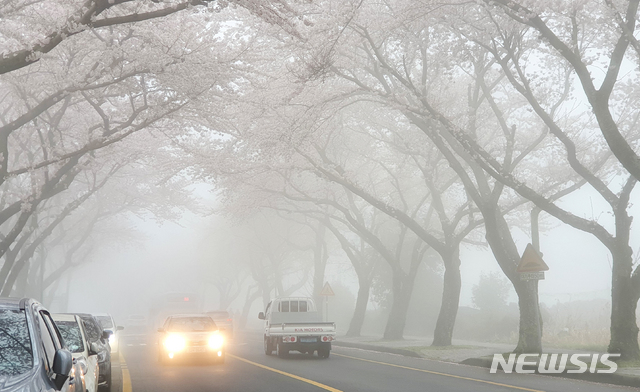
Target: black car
column 34, row 357
column 96, row 334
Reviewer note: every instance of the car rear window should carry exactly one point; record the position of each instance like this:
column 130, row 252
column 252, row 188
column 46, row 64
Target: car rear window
column 192, row 324
column 70, row 331
column 293, row 306
column 105, row 321
column 15, row 343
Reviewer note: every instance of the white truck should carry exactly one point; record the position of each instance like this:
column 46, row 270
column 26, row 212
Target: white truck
column 294, row 324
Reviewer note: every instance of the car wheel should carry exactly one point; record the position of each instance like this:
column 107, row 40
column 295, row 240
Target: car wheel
column 268, row 347
column 280, row 350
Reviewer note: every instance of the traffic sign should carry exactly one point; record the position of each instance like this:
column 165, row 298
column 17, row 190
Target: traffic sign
column 327, row 291
column 531, row 261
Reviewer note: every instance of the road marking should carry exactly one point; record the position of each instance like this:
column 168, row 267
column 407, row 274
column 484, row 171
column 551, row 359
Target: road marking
column 441, row 374
column 126, row 377
column 317, row 384
column 143, row 344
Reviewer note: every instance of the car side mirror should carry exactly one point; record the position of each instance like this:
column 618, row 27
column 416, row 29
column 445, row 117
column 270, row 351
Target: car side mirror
column 62, row 364
column 161, row 330
column 119, row 328
column 94, row 349
column 106, row 334
column 261, row 315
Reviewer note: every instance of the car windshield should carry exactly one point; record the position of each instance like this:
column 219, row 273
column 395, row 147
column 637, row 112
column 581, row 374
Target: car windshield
column 16, row 356
column 93, row 330
column 192, row 324
column 218, row 315
column 70, row 331
column 105, row 321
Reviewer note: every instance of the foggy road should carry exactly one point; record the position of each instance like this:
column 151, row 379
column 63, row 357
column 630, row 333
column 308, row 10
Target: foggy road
column 248, row 369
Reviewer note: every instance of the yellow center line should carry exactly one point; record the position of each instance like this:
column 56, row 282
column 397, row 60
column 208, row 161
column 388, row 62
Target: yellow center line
column 317, row 384
column 126, row 377
column 441, row 374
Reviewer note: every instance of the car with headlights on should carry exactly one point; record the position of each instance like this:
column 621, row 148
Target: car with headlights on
column 72, row 329
column 106, row 320
column 34, row 357
column 192, row 336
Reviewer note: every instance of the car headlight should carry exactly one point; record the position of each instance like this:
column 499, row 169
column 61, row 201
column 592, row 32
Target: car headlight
column 83, row 365
column 175, row 343
column 102, row 356
column 216, row 341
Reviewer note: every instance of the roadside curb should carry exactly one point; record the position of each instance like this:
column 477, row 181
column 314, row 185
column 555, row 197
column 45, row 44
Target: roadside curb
column 615, row 379
column 382, row 349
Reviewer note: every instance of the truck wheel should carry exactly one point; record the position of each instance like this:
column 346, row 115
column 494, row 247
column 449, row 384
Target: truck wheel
column 268, row 347
column 281, row 351
column 324, row 352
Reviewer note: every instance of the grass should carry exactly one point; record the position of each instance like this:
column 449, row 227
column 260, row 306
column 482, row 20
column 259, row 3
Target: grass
column 439, row 348
column 598, row 348
column 629, row 364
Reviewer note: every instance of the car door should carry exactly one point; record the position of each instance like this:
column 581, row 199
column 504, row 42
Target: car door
column 92, row 360
column 51, row 342
column 267, row 318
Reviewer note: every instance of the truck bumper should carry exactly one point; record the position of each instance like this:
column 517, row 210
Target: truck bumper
column 307, row 347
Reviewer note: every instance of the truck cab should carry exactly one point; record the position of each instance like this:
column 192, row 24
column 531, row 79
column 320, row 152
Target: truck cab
column 294, row 324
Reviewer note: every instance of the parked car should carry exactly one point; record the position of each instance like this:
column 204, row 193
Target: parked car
column 85, row 353
column 106, row 320
column 100, row 338
column 223, row 320
column 190, row 336
column 293, row 324
column 33, row 354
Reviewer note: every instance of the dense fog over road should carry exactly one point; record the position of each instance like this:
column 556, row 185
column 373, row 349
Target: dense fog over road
column 385, row 162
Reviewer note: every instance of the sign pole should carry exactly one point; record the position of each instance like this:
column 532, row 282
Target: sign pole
column 325, row 293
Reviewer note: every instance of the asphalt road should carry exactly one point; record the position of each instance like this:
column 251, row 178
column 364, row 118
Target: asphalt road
column 247, row 368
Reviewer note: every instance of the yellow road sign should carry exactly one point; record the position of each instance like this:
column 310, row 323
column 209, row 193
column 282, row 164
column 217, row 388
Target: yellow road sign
column 327, row 291
column 531, row 261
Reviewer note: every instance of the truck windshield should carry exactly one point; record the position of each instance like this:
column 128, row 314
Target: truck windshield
column 15, row 344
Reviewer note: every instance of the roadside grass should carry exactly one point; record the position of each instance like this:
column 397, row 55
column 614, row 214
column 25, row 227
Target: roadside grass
column 629, row 364
column 419, row 349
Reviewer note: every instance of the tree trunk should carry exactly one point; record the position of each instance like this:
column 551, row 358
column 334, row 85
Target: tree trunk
column 251, row 298
column 530, row 333
column 355, row 327
column 320, row 257
column 443, row 332
column 402, row 289
column 624, row 301
column 504, row 250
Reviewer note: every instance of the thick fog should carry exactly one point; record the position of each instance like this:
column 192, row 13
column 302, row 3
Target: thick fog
column 217, row 157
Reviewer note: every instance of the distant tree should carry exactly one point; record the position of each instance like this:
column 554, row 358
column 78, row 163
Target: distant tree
column 491, row 292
